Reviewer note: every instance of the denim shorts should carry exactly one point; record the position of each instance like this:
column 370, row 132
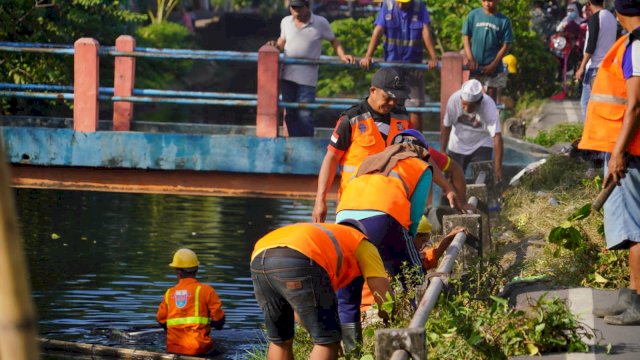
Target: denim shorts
column 621, row 220
column 285, row 281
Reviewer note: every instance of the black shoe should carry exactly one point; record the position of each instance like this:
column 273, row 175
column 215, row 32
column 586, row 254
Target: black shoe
column 631, row 316
column 626, row 298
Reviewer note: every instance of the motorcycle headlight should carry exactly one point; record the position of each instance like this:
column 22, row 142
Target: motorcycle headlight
column 559, row 42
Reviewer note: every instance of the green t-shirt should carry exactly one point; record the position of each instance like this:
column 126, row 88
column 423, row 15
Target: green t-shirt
column 488, row 33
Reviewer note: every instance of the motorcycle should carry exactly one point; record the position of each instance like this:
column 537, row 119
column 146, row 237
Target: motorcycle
column 565, row 46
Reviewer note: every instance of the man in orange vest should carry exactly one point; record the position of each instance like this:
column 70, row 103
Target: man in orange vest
column 612, row 122
column 189, row 309
column 366, row 129
column 387, row 195
column 298, row 268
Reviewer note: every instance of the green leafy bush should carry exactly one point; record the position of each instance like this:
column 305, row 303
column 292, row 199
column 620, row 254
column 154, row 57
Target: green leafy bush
column 566, row 132
column 158, row 73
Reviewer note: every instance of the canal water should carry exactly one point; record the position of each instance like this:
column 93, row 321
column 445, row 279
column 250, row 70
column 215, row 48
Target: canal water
column 99, row 261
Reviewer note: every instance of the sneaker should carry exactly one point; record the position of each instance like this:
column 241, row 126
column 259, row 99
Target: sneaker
column 631, row 316
column 626, row 298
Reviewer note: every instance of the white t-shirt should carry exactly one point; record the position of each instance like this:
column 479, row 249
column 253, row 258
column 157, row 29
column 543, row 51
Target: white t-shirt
column 471, row 131
column 305, row 42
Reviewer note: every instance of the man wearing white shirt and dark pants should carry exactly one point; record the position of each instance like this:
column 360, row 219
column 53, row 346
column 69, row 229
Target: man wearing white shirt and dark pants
column 471, row 130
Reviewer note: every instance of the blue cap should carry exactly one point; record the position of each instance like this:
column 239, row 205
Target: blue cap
column 411, row 136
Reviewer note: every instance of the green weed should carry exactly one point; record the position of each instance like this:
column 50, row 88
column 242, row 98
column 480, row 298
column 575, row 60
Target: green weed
column 565, row 132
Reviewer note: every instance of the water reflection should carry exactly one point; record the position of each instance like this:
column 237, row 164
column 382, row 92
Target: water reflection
column 99, row 260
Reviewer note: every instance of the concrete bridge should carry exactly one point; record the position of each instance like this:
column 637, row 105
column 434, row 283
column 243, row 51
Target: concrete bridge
column 125, row 155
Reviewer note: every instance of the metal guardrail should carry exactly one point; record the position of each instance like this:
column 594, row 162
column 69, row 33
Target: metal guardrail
column 63, row 92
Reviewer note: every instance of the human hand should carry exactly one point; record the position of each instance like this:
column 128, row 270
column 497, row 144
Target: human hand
column 453, row 201
column 433, row 63
column 365, row 62
column 489, row 69
column 579, row 74
column 616, row 169
column 472, row 65
column 319, row 211
column 272, row 43
column 349, row 59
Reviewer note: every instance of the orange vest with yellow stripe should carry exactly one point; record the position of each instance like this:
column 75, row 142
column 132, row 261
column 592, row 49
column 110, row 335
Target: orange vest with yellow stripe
column 367, row 140
column 187, row 309
column 607, row 104
column 390, row 194
column 331, row 246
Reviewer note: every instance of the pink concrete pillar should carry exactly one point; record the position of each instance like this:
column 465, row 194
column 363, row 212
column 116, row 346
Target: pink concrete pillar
column 268, row 84
column 86, row 65
column 123, row 83
column 450, row 79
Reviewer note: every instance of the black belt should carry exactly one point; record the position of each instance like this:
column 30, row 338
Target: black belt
column 284, row 252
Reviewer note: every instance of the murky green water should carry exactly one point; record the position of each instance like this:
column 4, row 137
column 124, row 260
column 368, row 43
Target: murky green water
column 99, row 260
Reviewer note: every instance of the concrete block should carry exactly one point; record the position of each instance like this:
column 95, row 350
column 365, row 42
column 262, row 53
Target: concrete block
column 413, row 341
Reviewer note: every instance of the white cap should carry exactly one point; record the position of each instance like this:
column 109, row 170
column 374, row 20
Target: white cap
column 471, row 90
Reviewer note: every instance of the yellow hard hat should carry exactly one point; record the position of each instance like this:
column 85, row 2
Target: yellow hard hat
column 511, row 62
column 184, row 259
column 425, row 226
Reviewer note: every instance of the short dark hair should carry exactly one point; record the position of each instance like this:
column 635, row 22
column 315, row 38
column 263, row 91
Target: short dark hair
column 596, row 2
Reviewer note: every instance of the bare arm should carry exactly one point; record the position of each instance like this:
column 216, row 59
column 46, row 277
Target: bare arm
column 325, row 180
column 379, row 288
column 617, row 166
column 340, row 52
column 497, row 159
column 466, row 39
column 378, row 31
column 428, row 44
column 583, row 65
column 447, row 239
column 446, row 187
column 455, row 173
column 444, row 138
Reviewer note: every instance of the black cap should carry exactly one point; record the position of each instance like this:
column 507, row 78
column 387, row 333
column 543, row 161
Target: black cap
column 628, row 7
column 391, row 81
column 299, row 3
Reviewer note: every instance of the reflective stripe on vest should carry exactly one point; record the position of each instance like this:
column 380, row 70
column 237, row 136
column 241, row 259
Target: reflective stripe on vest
column 196, row 319
column 608, row 104
column 608, row 99
column 394, row 174
column 335, row 244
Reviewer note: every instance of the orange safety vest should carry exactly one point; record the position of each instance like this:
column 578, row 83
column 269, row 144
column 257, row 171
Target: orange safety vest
column 607, row 104
column 331, row 246
column 366, row 140
column 389, row 194
column 186, row 309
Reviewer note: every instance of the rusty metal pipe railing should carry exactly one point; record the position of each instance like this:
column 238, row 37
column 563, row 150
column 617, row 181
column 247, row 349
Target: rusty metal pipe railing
column 436, row 284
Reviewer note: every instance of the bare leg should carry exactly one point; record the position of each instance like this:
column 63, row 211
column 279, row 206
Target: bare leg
column 634, row 267
column 416, row 121
column 325, row 352
column 283, row 351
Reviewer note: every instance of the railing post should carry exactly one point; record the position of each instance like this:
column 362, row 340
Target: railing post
column 86, row 81
column 450, row 79
column 268, row 90
column 123, row 83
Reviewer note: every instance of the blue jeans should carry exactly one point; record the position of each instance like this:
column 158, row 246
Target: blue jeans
column 299, row 121
column 621, row 221
column 285, row 281
column 587, row 81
